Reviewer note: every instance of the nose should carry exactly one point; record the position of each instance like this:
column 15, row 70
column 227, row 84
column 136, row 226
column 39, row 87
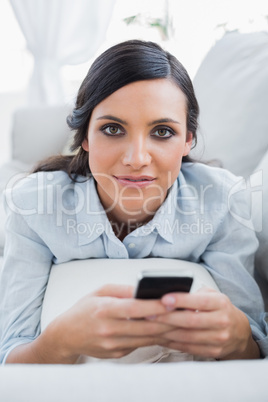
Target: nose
column 136, row 154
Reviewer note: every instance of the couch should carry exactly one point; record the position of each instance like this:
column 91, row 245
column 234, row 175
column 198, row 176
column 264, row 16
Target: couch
column 232, row 88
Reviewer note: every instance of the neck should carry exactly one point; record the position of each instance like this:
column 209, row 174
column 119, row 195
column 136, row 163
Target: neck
column 122, row 227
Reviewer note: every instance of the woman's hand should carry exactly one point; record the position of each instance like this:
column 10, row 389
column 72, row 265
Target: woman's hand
column 209, row 326
column 108, row 324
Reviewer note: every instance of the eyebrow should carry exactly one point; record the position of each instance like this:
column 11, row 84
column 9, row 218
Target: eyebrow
column 164, row 120
column 110, row 117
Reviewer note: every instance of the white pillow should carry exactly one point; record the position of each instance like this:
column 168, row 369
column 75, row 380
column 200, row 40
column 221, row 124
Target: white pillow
column 70, row 281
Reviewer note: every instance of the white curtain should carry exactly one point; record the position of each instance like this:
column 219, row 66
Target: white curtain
column 59, row 32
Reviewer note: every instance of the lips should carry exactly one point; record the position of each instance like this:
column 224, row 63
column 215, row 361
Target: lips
column 135, row 178
column 135, row 181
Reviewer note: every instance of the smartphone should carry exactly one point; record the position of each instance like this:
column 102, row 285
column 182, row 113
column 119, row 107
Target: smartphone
column 155, row 284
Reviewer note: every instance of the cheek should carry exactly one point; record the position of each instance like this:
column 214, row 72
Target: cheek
column 100, row 158
column 171, row 159
column 95, row 154
column 169, row 165
column 96, row 161
column 174, row 167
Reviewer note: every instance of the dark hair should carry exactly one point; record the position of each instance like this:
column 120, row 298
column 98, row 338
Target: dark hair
column 122, row 64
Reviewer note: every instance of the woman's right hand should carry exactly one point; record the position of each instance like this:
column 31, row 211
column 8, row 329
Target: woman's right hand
column 108, row 323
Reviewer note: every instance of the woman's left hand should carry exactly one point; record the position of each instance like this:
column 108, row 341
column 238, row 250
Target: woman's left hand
column 208, row 325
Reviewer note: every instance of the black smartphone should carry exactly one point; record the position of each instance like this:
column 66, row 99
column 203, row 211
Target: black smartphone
column 155, row 284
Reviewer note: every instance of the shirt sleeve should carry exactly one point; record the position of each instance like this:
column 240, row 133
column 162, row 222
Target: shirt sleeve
column 24, row 276
column 230, row 260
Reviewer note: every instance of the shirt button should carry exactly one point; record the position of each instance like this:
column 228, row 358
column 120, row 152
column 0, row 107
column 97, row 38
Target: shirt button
column 132, row 245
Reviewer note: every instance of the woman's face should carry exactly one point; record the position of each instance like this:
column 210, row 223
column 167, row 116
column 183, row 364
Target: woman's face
column 136, row 140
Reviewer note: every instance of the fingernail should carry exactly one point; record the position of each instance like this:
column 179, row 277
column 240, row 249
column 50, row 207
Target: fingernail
column 170, row 308
column 170, row 300
column 151, row 317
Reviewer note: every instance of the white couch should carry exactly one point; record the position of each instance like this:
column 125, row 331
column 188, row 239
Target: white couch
column 232, row 89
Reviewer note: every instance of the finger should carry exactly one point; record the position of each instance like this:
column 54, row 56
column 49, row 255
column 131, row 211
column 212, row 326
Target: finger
column 204, row 351
column 130, row 328
column 191, row 319
column 134, row 308
column 198, row 337
column 123, row 343
column 112, row 290
column 202, row 301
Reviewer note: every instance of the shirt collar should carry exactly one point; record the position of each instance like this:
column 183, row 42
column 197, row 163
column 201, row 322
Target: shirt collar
column 163, row 220
column 92, row 220
column 91, row 217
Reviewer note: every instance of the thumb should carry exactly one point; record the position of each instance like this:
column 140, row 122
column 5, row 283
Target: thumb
column 206, row 289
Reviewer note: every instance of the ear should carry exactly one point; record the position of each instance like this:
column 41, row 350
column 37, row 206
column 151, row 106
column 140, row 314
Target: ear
column 188, row 143
column 85, row 145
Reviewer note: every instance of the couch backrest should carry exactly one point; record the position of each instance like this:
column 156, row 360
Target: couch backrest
column 232, row 89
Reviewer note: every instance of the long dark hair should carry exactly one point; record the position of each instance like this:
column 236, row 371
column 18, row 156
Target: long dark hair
column 122, row 64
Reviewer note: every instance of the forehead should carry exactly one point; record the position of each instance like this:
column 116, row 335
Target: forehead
column 145, row 97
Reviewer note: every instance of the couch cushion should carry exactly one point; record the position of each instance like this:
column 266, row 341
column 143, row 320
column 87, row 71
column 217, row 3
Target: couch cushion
column 36, row 134
column 2, row 225
column 239, row 381
column 39, row 132
column 260, row 220
column 232, row 89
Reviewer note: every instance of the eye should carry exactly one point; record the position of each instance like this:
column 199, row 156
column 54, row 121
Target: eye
column 112, row 130
column 163, row 132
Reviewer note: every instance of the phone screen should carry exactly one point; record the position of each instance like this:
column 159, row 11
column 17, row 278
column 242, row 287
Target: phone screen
column 150, row 287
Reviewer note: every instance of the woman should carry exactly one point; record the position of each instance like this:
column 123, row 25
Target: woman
column 132, row 187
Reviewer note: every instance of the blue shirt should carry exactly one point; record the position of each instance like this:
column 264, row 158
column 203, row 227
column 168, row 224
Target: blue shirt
column 50, row 219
